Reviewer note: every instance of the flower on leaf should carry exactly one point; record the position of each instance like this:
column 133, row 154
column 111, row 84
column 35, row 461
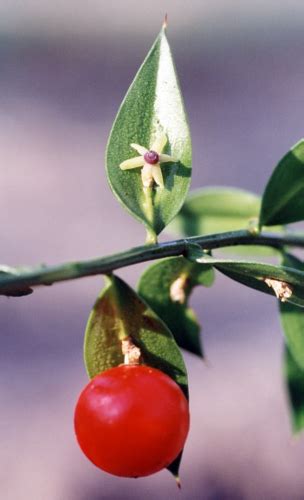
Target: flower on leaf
column 149, row 160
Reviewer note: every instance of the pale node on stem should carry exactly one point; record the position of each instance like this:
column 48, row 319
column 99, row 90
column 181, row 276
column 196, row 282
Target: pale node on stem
column 253, row 226
column 178, row 289
column 282, row 289
column 150, row 161
column 130, row 351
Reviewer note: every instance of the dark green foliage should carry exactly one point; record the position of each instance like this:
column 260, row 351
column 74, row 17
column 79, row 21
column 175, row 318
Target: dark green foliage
column 283, row 198
column 153, row 105
column 166, row 287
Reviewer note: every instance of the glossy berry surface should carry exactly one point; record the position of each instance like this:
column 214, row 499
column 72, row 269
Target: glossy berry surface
column 151, row 157
column 131, row 421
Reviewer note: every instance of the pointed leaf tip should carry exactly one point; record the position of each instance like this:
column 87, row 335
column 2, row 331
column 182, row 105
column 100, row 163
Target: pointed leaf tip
column 152, row 107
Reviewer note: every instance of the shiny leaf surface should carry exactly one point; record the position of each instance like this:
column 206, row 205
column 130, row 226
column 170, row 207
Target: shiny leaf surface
column 152, row 107
column 292, row 319
column 283, row 198
column 253, row 274
column 119, row 313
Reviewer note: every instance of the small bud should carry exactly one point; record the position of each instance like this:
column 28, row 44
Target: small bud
column 253, row 226
column 282, row 289
column 151, row 157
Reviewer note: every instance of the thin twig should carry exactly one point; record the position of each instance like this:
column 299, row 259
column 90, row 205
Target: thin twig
column 47, row 275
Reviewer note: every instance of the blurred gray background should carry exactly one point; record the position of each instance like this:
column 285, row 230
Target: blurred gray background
column 64, row 68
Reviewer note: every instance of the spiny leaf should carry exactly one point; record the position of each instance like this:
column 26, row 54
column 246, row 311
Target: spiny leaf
column 253, row 274
column 119, row 313
column 166, row 287
column 153, row 106
column 283, row 198
column 294, row 380
column 174, row 468
column 292, row 319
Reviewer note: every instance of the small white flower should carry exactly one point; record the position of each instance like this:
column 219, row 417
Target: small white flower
column 150, row 160
column 282, row 290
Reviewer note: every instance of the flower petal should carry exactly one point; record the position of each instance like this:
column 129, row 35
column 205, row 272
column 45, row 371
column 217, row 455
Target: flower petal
column 138, row 161
column 166, row 158
column 157, row 175
column 140, row 149
column 159, row 143
column 147, row 175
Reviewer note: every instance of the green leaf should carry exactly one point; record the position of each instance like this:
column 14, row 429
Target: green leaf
column 253, row 274
column 219, row 209
column 283, row 198
column 294, row 380
column 119, row 313
column 166, row 286
column 292, row 319
column 216, row 209
column 153, row 106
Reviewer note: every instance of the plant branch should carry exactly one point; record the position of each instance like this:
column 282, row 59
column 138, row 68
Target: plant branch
column 14, row 280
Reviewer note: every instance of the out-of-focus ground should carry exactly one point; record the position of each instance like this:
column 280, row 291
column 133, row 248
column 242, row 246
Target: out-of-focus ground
column 64, row 68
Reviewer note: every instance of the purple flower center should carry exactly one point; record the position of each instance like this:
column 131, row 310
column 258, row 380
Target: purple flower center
column 151, row 157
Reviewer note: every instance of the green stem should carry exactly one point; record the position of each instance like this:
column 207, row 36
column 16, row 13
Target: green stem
column 43, row 275
column 151, row 238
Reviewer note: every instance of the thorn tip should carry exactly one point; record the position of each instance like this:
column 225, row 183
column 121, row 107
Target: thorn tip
column 165, row 23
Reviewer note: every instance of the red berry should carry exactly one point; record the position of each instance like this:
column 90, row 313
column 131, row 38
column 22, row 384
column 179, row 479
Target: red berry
column 131, row 421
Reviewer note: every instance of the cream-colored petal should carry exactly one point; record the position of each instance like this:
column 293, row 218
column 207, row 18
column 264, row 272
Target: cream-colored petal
column 140, row 149
column 146, row 175
column 136, row 162
column 166, row 158
column 157, row 175
column 159, row 143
